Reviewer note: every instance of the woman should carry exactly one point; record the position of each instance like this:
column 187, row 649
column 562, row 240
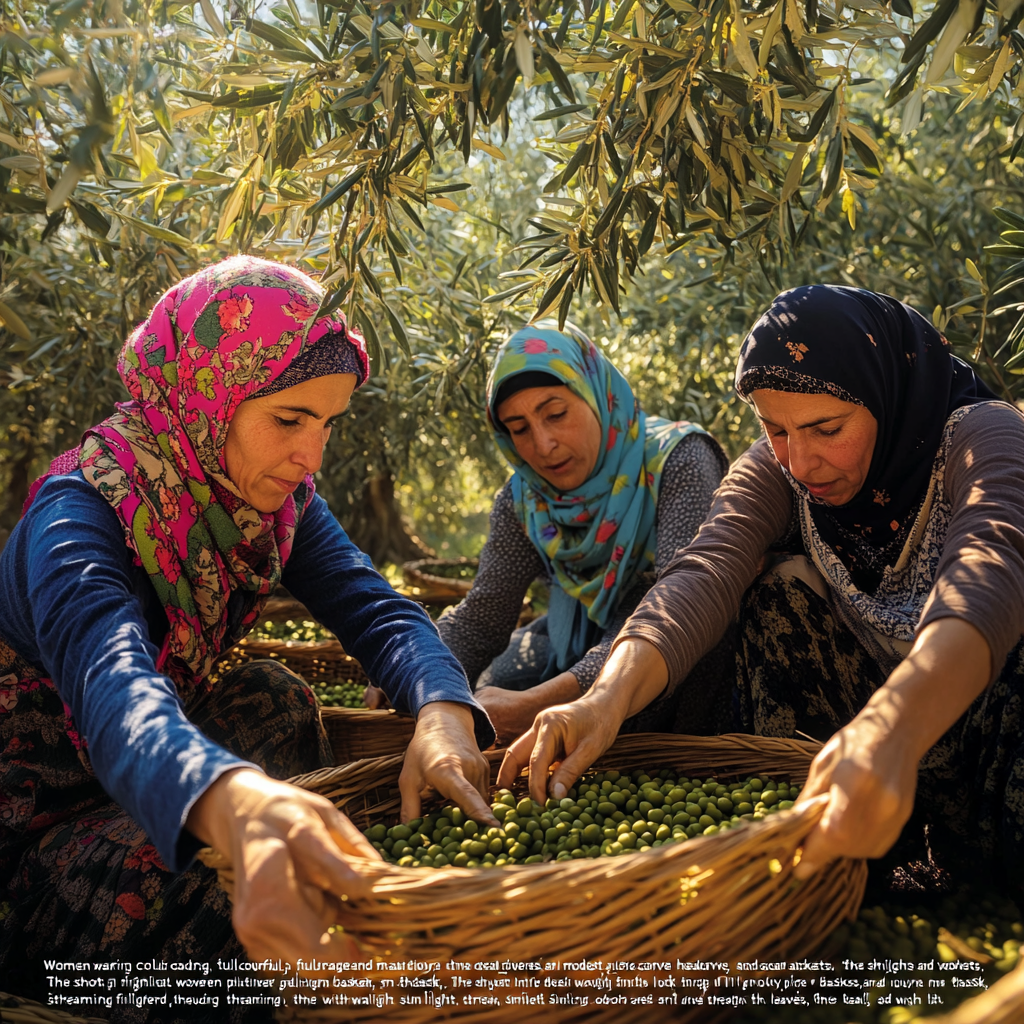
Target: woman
column 141, row 557
column 898, row 632
column 601, row 494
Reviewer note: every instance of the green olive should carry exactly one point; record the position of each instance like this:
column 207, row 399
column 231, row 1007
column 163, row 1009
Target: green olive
column 606, row 815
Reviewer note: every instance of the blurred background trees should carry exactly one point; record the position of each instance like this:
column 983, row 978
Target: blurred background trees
column 654, row 171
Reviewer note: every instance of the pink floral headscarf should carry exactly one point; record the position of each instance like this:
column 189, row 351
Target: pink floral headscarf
column 210, row 343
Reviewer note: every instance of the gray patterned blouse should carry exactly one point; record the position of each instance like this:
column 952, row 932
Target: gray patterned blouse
column 478, row 629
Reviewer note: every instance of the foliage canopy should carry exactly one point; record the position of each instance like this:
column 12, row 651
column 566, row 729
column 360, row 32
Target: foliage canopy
column 725, row 147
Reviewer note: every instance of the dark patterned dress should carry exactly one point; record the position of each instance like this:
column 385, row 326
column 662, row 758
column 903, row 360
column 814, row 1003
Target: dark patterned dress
column 80, row 880
column 814, row 648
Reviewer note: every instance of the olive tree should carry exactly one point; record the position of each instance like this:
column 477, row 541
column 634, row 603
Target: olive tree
column 450, row 169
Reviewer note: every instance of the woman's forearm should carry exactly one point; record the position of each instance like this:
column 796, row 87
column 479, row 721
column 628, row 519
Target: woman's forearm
column 634, row 675
column 699, row 592
column 869, row 767
column 948, row 666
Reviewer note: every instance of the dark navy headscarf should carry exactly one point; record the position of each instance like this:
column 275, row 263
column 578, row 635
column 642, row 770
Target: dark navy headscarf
column 874, row 351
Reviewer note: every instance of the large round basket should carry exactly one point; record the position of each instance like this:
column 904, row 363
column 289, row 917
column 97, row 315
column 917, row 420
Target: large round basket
column 1003, row 1003
column 433, row 586
column 714, row 898
column 17, row 1010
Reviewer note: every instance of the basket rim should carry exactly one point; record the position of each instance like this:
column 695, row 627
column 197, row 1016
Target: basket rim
column 365, row 715
column 730, row 893
column 332, row 646
column 414, row 573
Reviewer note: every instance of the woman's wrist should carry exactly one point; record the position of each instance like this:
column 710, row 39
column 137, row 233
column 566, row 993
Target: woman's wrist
column 634, row 675
column 210, row 817
column 447, row 714
column 560, row 689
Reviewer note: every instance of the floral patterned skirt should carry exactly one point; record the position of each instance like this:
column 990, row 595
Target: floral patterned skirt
column 802, row 671
column 81, row 881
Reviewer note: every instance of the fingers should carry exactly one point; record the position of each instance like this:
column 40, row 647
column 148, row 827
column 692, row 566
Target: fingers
column 349, row 839
column 316, row 899
column 373, row 697
column 549, row 748
column 516, row 758
column 820, row 847
column 572, row 767
column 819, row 776
column 317, row 860
column 449, row 781
column 478, row 774
column 410, row 786
column 812, row 857
column 274, row 914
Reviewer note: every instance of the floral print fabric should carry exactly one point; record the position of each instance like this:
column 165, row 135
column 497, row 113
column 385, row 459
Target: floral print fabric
column 81, row 880
column 870, row 350
column 802, row 671
column 595, row 540
column 210, row 343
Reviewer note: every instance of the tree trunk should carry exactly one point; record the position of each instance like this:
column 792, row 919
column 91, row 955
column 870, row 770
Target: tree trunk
column 379, row 528
column 17, row 488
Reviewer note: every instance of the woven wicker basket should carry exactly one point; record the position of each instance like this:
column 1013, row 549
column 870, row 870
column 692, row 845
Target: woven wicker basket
column 354, row 733
column 27, row 1011
column 322, row 661
column 432, row 588
column 357, row 734
column 1003, row 1003
column 722, row 897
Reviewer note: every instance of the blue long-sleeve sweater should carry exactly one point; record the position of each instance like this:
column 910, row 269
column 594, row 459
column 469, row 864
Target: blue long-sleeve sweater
column 74, row 604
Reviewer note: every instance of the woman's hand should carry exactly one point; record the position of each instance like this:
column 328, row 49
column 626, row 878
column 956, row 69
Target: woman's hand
column 374, row 697
column 512, row 711
column 443, row 756
column 869, row 767
column 577, row 734
column 295, row 858
column 870, row 777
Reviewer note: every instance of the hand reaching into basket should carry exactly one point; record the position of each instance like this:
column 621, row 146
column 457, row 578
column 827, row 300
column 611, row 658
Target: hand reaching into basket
column 443, row 756
column 375, row 698
column 577, row 734
column 295, row 858
column 512, row 711
column 869, row 767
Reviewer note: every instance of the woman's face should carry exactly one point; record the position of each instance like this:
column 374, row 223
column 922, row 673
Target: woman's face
column 274, row 442
column 824, row 442
column 555, row 433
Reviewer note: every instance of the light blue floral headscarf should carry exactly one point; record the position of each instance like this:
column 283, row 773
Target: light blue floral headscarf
column 596, row 539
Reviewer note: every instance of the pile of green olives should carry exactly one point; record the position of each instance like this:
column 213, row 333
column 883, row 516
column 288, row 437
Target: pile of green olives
column 348, row 694
column 606, row 814
column 305, row 631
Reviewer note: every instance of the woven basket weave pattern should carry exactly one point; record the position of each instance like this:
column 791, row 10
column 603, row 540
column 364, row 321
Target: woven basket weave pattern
column 721, row 897
column 354, row 733
column 323, row 661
